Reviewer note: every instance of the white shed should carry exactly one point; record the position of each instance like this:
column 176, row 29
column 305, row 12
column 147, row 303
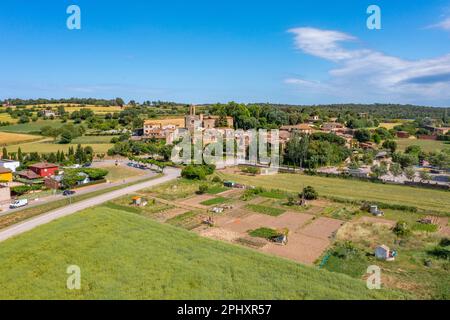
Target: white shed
column 10, row 164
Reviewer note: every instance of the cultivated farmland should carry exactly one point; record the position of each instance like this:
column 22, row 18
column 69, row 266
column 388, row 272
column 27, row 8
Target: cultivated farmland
column 7, row 138
column 424, row 199
column 126, row 256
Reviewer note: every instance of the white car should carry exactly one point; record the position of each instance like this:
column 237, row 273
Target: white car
column 18, row 203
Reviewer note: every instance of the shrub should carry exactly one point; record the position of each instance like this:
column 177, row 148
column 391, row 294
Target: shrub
column 217, row 179
column 401, row 229
column 309, row 193
column 251, row 170
column 193, row 173
column 203, row 188
column 20, row 190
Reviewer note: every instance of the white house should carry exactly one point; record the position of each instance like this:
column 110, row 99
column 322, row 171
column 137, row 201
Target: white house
column 10, row 164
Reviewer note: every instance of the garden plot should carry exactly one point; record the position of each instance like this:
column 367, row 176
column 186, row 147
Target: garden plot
column 322, row 228
column 308, row 238
column 197, row 200
column 169, row 214
column 300, row 248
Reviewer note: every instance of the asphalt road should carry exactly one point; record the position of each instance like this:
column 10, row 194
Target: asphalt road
column 169, row 174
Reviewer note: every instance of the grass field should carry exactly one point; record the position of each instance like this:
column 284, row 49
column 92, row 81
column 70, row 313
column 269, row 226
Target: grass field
column 93, row 139
column 122, row 172
column 424, row 199
column 408, row 271
column 8, row 138
column 426, row 145
column 122, row 255
column 47, row 146
column 32, row 126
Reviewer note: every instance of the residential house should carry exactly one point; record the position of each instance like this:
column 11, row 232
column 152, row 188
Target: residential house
column 194, row 122
column 301, row 128
column 49, row 113
column 28, row 174
column 44, row 169
column 5, row 175
column 332, row 126
column 53, row 182
column 9, row 164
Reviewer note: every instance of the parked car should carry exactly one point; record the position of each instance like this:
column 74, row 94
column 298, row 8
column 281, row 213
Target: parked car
column 68, row 192
column 87, row 165
column 18, row 203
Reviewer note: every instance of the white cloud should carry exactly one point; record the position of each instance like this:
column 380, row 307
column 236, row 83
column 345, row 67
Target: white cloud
column 369, row 75
column 444, row 24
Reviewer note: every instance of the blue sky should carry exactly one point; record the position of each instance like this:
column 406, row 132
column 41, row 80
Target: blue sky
column 299, row 52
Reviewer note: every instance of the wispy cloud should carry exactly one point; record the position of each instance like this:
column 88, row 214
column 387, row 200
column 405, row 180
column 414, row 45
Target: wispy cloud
column 444, row 24
column 372, row 75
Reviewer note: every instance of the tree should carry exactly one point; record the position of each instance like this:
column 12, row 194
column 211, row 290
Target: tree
column 20, row 155
column 66, row 137
column 401, row 229
column 362, row 135
column 424, row 176
column 193, row 172
column 396, row 169
column 376, row 138
column 390, row 145
column 309, row 193
column 378, row 170
column 120, row 102
column 297, row 149
column 4, row 153
column 410, row 173
column 202, row 189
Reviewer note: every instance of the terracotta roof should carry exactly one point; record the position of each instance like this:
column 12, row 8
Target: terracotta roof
column 43, row 165
column 28, row 174
column 164, row 122
column 5, row 170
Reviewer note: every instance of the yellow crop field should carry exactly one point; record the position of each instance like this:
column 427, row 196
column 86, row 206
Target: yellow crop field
column 5, row 117
column 7, row 138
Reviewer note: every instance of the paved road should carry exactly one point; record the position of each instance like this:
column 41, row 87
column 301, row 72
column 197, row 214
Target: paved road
column 169, row 174
column 47, row 199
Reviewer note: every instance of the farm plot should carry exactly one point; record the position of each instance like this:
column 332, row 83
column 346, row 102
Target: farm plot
column 8, row 138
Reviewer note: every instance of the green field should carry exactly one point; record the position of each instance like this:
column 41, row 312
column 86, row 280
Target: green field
column 32, row 126
column 93, row 139
column 116, row 173
column 425, row 145
column 126, row 256
column 265, row 209
column 214, row 201
column 424, row 199
column 47, row 146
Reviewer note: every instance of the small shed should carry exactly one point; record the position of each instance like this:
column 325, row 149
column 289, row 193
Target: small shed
column 229, row 184
column 139, row 201
column 375, row 211
column 384, row 253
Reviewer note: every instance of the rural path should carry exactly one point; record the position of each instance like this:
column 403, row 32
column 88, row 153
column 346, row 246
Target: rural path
column 169, row 174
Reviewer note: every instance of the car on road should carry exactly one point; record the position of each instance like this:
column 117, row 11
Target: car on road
column 68, row 192
column 18, row 203
column 87, row 165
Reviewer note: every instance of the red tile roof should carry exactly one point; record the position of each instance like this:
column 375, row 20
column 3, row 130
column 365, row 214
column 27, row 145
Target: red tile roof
column 43, row 165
